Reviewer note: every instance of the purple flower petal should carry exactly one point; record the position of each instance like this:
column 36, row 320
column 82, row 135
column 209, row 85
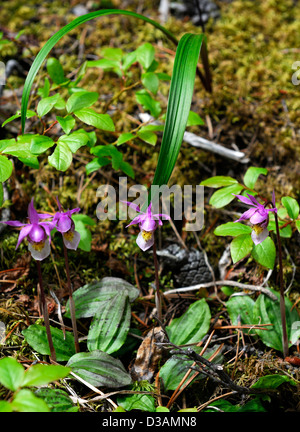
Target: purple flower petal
column 273, row 199
column 64, row 223
column 74, row 210
column 247, row 215
column 23, row 234
column 59, row 204
column 258, row 218
column 37, row 233
column 14, row 223
column 48, row 227
column 148, row 224
column 132, row 205
column 244, row 199
column 135, row 220
column 45, row 216
column 32, row 213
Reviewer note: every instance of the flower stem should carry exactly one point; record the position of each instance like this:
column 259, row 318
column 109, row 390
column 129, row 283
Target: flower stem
column 45, row 312
column 285, row 344
column 71, row 302
column 157, row 291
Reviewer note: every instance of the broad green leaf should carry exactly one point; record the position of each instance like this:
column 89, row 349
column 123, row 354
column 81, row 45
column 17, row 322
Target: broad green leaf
column 92, row 118
column 6, row 143
column 1, row 195
column 125, row 137
column 112, row 53
column 192, row 326
column 148, row 137
column 272, row 381
column 265, row 253
column 145, row 55
column 267, row 311
column 174, row 369
column 85, row 242
column 62, row 157
column 150, row 81
column 285, row 232
column 43, row 92
column 128, row 60
column 26, row 401
column 148, row 103
column 93, row 297
column 179, row 104
column 99, row 369
column 141, row 402
column 45, row 105
column 232, row 229
column 6, row 168
column 55, row 71
column 39, row 60
column 36, row 337
column 11, row 373
column 254, row 405
column 19, row 148
column 108, row 329
column 291, row 206
column 194, row 119
column 96, row 164
column 84, row 219
column 80, row 100
column 67, row 123
column 31, row 161
column 218, row 181
column 240, row 247
column 18, row 115
column 240, row 308
column 106, row 64
column 127, row 169
column 252, row 175
column 40, row 143
column 56, row 399
column 298, row 225
column 5, row 406
column 41, row 374
column 225, row 195
column 74, row 140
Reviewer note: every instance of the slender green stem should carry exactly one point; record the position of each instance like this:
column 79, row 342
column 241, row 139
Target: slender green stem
column 71, row 302
column 45, row 312
column 157, row 291
column 282, row 304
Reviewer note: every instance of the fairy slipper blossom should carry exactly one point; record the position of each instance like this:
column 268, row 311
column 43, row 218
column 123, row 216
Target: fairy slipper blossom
column 148, row 222
column 65, row 225
column 37, row 233
column 258, row 216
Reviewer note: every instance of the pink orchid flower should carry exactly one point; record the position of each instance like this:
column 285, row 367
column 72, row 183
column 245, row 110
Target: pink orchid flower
column 36, row 232
column 258, row 215
column 65, row 225
column 148, row 223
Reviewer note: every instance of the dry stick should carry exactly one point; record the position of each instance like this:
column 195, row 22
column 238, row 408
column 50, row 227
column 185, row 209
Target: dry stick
column 180, row 386
column 71, row 302
column 201, row 407
column 157, row 292
column 285, row 343
column 222, row 282
column 45, row 313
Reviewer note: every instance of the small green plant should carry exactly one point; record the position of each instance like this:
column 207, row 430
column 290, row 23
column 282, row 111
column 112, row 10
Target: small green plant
column 265, row 217
column 15, row 378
